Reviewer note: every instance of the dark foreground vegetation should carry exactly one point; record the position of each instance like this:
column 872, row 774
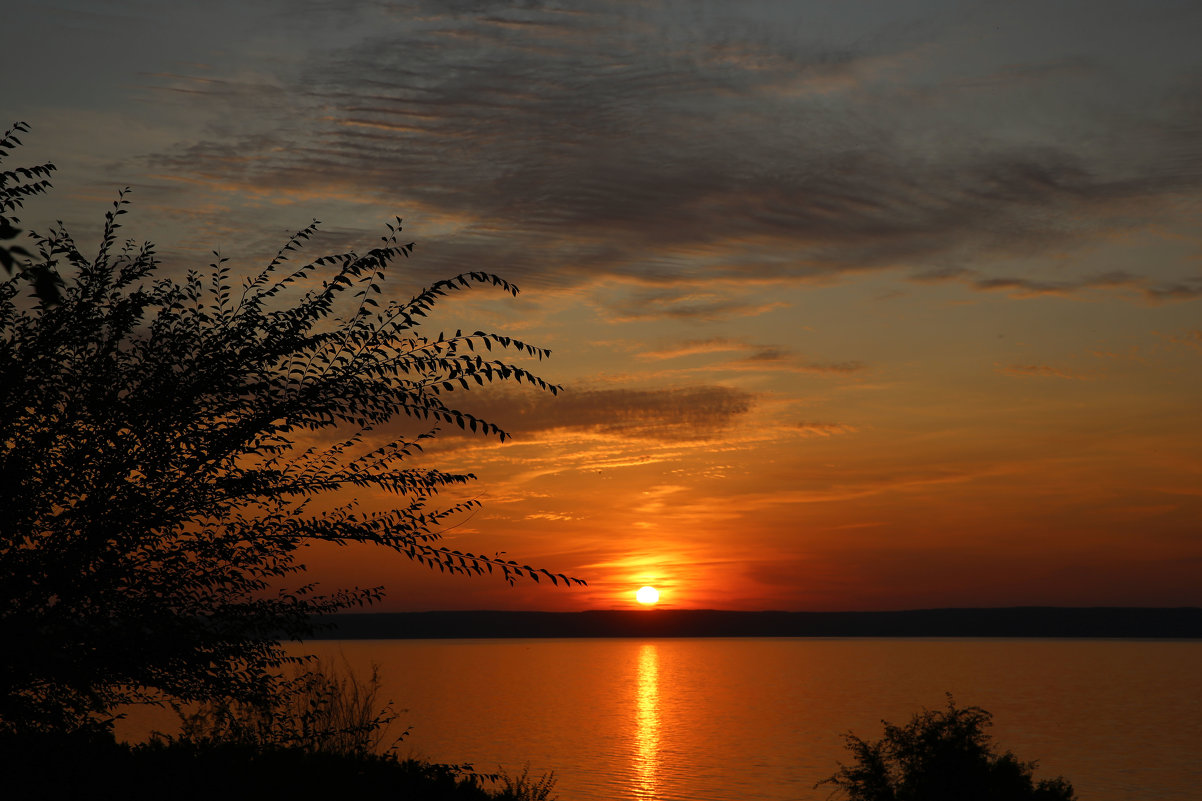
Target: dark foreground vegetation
column 169, row 444
column 940, row 755
column 67, row 767
column 326, row 734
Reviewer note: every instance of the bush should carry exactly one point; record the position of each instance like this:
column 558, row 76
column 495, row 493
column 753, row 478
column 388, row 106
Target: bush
column 942, row 755
column 522, row 787
column 318, row 710
column 58, row 766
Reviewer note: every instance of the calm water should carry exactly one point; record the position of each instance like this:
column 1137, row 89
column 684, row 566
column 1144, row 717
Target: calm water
column 761, row 718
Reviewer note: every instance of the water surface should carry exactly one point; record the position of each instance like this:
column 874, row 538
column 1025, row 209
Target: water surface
column 726, row 719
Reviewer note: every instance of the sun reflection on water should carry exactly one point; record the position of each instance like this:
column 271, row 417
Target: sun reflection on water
column 646, row 732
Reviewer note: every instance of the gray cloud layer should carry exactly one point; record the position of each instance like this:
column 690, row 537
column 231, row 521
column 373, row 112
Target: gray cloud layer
column 604, row 138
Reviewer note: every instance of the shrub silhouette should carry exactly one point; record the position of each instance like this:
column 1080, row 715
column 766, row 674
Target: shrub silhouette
column 167, row 447
column 942, row 755
column 320, row 708
column 57, row 766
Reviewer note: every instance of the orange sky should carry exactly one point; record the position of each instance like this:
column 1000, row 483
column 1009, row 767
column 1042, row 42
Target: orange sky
column 856, row 306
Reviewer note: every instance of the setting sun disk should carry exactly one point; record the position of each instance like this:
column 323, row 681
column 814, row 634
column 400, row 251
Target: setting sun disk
column 647, row 596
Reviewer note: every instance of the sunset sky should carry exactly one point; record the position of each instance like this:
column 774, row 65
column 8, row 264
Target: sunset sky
column 856, row 305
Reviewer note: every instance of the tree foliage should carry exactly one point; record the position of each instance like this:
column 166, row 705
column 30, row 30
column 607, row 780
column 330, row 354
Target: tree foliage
column 16, row 185
column 940, row 755
column 167, row 447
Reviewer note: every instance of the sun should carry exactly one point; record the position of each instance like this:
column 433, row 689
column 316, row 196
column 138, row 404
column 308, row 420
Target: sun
column 647, row 596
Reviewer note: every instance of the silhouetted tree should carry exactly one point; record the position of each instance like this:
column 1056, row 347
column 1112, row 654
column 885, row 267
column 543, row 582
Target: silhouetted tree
column 15, row 186
column 167, row 447
column 942, row 755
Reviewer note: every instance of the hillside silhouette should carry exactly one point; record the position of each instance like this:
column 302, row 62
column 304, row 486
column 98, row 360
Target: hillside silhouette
column 1025, row 621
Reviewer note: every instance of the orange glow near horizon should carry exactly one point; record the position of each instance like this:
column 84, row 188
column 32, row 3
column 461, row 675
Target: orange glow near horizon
column 923, row 375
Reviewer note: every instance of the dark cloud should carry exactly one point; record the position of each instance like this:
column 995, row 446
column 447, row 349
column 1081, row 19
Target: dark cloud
column 1142, row 286
column 778, row 359
column 685, row 413
column 1182, row 290
column 684, row 302
column 612, row 142
column 747, row 356
column 768, row 354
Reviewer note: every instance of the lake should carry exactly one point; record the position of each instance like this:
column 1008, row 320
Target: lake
column 753, row 718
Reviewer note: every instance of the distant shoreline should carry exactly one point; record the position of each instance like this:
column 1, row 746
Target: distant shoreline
column 1025, row 621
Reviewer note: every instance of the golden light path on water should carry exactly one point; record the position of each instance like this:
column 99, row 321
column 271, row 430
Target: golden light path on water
column 647, row 722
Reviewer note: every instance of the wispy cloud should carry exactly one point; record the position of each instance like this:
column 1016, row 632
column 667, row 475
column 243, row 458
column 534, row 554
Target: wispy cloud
column 1040, row 371
column 1190, row 339
column 819, row 429
column 694, row 347
column 669, row 414
column 739, row 355
column 1149, row 289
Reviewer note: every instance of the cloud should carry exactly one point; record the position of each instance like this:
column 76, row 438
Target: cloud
column 1025, row 75
column 818, row 429
column 1190, row 339
column 549, row 516
column 684, row 413
column 694, row 347
column 1040, row 371
column 679, row 303
column 751, row 357
column 1188, row 289
column 628, row 142
column 831, row 368
column 1149, row 289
